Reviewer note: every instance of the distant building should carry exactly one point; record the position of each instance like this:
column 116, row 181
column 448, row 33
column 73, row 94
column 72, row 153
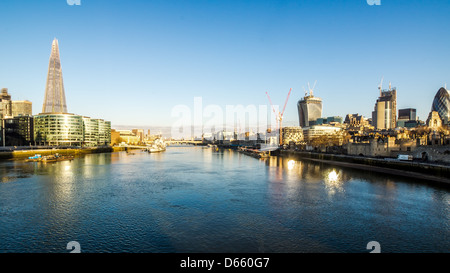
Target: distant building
column 226, row 136
column 328, row 120
column 19, row 131
column 115, row 137
column 312, row 132
column 408, row 114
column 355, row 120
column 441, row 104
column 126, row 136
column 292, row 134
column 21, row 108
column 407, row 118
column 412, row 123
column 309, row 109
column 384, row 114
column 55, row 98
column 139, row 133
column 208, row 137
column 380, row 147
column 334, row 119
column 5, row 104
column 434, row 120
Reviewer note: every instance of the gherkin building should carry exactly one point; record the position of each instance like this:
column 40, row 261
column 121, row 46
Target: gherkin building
column 441, row 104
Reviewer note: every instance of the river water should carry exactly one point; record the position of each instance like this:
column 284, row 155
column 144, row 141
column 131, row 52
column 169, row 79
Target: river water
column 193, row 199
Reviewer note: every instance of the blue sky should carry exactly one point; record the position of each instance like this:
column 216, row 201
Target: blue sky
column 131, row 62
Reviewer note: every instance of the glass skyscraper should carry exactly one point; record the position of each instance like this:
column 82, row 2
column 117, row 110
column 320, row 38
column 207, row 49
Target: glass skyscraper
column 54, row 126
column 55, row 98
column 309, row 110
column 441, row 104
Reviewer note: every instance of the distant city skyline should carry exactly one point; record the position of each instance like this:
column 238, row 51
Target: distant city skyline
column 131, row 62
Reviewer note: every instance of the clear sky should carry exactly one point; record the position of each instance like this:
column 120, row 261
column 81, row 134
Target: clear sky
column 132, row 61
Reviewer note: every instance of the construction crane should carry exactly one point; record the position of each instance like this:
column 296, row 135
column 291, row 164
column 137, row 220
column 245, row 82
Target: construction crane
column 279, row 115
column 381, row 85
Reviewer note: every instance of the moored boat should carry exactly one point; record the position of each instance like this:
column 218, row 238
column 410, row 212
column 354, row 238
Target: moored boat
column 157, row 147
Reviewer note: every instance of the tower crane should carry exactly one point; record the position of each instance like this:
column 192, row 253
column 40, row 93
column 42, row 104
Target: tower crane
column 279, row 115
column 381, row 85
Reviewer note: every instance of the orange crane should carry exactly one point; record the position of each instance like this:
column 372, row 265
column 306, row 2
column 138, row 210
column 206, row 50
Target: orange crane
column 279, row 115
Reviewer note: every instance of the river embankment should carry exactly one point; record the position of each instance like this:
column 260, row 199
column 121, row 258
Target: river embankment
column 25, row 153
column 432, row 172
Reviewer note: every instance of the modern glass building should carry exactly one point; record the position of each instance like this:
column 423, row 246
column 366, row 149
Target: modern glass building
column 90, row 138
column 54, row 126
column 55, row 98
column 104, row 132
column 407, row 118
column 57, row 129
column 441, row 104
column 309, row 110
column 407, row 114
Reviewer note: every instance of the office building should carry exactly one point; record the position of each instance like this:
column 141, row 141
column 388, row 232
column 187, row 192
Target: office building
column 441, row 104
column 19, row 131
column 385, row 112
column 21, row 108
column 104, row 132
column 55, row 98
column 96, row 132
column 320, row 130
column 90, row 132
column 58, row 129
column 293, row 134
column 407, row 118
column 407, row 114
column 5, row 104
column 309, row 109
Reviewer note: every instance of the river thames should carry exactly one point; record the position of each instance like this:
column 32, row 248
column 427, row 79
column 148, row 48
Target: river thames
column 194, row 200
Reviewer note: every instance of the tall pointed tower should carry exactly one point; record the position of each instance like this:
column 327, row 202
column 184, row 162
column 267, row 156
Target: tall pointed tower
column 55, row 98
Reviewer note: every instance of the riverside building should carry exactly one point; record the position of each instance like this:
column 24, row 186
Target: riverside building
column 58, row 129
column 54, row 126
column 309, row 109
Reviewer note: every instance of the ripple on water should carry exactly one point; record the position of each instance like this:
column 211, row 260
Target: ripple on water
column 189, row 200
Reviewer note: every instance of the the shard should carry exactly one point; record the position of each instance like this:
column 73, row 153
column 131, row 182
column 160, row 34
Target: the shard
column 55, row 98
